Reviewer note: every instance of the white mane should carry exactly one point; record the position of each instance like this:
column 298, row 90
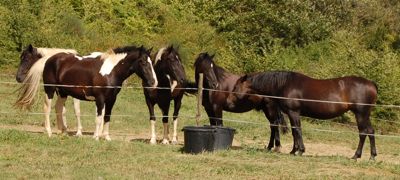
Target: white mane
column 48, row 52
column 30, row 86
column 91, row 55
column 110, row 60
column 158, row 56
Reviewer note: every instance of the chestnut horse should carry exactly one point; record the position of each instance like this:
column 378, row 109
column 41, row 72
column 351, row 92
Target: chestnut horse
column 300, row 95
column 219, row 84
column 35, row 57
column 90, row 80
column 171, row 81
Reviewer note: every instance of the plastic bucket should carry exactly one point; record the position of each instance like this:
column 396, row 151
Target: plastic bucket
column 207, row 138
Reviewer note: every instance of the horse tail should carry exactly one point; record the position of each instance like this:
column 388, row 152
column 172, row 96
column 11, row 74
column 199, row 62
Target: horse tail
column 282, row 123
column 190, row 87
column 27, row 92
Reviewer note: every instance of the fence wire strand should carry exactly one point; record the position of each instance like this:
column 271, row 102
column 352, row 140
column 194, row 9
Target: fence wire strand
column 137, row 86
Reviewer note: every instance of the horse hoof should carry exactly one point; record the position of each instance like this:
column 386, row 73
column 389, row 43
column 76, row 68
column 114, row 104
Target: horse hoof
column 268, row 149
column 372, row 158
column 107, row 138
column 165, row 141
column 277, row 149
column 153, row 141
column 95, row 137
column 174, row 142
column 355, row 157
column 78, row 134
column 300, row 153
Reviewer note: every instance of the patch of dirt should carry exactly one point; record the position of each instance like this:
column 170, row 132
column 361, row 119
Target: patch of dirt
column 312, row 149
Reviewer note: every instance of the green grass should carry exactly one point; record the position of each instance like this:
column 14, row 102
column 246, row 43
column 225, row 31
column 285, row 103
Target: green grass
column 28, row 155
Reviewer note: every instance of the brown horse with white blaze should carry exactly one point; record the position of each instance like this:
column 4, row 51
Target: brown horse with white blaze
column 299, row 95
column 91, row 80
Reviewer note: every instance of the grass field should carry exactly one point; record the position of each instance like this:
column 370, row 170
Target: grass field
column 27, row 153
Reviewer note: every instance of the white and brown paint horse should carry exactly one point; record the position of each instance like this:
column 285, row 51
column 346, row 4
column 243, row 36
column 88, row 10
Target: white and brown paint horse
column 171, row 81
column 91, row 80
column 32, row 61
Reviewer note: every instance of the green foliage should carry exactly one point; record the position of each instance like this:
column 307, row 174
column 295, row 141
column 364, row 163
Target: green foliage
column 321, row 38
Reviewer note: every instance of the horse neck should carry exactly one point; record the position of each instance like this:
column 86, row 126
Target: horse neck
column 121, row 71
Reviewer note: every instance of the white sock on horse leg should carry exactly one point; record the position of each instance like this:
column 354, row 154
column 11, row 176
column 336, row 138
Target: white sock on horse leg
column 166, row 133
column 153, row 139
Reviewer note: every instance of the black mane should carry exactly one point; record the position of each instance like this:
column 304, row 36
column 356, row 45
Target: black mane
column 270, row 82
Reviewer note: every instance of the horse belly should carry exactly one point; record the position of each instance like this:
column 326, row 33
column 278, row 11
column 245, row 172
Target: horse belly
column 322, row 110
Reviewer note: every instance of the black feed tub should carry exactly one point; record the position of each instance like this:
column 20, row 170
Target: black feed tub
column 207, row 138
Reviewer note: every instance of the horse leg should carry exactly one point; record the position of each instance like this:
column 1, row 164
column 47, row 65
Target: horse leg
column 177, row 107
column 47, row 109
column 277, row 118
column 77, row 110
column 210, row 114
column 60, row 114
column 296, row 132
column 364, row 129
column 218, row 115
column 165, row 108
column 150, row 107
column 108, row 108
column 268, row 115
column 100, row 110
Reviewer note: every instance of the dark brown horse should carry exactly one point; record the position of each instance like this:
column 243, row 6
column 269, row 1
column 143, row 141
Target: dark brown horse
column 171, row 81
column 90, row 80
column 222, row 83
column 34, row 57
column 323, row 99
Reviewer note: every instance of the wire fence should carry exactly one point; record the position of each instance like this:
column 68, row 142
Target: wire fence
column 137, row 86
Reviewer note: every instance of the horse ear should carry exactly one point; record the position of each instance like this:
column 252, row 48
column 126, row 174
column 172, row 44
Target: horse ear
column 212, row 56
column 149, row 50
column 243, row 78
column 30, row 48
column 170, row 48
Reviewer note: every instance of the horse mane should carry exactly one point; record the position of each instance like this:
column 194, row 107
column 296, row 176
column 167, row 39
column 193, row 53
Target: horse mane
column 159, row 54
column 111, row 59
column 30, row 85
column 127, row 49
column 219, row 71
column 270, row 81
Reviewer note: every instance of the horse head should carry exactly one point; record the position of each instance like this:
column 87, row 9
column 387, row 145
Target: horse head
column 205, row 64
column 240, row 91
column 173, row 65
column 145, row 68
column 28, row 57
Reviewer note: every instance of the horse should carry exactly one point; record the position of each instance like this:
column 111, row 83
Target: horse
column 98, row 80
column 171, row 78
column 36, row 57
column 219, row 84
column 299, row 95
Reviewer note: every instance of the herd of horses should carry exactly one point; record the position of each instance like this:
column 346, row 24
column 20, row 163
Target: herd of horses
column 99, row 77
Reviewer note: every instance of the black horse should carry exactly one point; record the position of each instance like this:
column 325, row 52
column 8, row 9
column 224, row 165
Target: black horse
column 324, row 99
column 87, row 79
column 219, row 84
column 171, row 82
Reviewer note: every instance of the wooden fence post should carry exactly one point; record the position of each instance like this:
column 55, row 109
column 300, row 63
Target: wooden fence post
column 199, row 98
